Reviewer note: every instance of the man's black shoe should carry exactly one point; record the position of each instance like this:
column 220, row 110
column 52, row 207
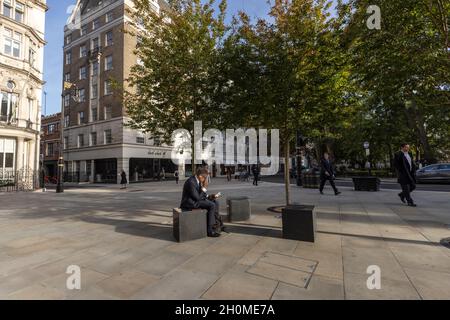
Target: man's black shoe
column 224, row 229
column 321, row 192
column 402, row 197
column 213, row 234
column 412, row 204
column 338, row 193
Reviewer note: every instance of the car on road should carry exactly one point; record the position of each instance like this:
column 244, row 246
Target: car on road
column 434, row 173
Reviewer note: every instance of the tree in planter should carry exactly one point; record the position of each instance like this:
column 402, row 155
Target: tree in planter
column 286, row 73
column 176, row 81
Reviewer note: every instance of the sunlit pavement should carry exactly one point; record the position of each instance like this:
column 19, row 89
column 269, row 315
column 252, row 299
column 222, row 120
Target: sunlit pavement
column 122, row 241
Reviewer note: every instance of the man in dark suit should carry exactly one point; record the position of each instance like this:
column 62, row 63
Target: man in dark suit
column 327, row 173
column 406, row 174
column 195, row 197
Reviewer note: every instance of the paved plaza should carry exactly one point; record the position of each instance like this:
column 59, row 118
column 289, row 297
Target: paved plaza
column 122, row 241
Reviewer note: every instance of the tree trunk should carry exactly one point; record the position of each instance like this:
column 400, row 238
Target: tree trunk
column 287, row 182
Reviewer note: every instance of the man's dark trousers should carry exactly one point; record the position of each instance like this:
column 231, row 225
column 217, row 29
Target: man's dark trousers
column 323, row 180
column 406, row 191
column 210, row 206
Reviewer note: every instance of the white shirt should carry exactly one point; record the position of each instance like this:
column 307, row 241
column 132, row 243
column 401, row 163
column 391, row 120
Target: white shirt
column 408, row 158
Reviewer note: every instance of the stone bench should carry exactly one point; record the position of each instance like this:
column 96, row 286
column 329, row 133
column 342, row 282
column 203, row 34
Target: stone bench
column 238, row 209
column 299, row 222
column 189, row 225
column 366, row 183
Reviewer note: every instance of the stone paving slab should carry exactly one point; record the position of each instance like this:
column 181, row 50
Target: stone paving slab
column 122, row 240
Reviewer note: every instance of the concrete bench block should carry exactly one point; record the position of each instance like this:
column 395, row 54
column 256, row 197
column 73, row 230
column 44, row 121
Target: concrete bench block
column 238, row 208
column 189, row 225
column 299, row 223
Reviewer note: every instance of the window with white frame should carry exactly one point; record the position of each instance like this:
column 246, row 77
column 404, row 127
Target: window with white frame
column 95, row 68
column 108, row 87
column 107, row 135
column 82, row 95
column 7, row 154
column 66, row 121
column 94, row 114
column 68, row 57
column 93, row 139
column 66, row 142
column 12, row 43
column 68, row 39
column 109, row 38
column 109, row 17
column 67, row 77
column 80, row 140
column 67, row 100
column 108, row 63
column 108, row 112
column 83, row 73
column 95, row 24
column 81, row 117
column 83, row 51
column 83, row 30
column 7, row 8
column 19, row 12
column 8, row 106
column 95, row 43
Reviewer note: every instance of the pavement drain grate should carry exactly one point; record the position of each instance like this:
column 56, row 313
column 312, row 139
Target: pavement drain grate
column 288, row 269
column 446, row 242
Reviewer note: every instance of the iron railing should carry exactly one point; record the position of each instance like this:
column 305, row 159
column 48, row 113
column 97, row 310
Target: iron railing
column 20, row 180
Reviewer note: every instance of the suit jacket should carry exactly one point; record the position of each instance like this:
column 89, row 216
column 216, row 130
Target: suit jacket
column 406, row 174
column 326, row 166
column 192, row 194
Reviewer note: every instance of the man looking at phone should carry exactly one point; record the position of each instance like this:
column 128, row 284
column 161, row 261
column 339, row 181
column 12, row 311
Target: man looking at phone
column 195, row 197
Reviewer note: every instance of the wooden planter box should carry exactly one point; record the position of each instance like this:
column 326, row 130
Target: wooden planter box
column 366, row 183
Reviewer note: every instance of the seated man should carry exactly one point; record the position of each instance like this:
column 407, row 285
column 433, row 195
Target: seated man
column 195, row 197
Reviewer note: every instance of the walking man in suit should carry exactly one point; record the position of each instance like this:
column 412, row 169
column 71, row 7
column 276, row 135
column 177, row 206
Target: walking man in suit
column 195, row 197
column 327, row 173
column 406, row 174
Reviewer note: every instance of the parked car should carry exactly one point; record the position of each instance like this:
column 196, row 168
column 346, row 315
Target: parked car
column 434, row 173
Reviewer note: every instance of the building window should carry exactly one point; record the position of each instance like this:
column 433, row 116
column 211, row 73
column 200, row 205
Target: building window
column 108, row 112
column 81, row 117
column 94, row 114
column 50, row 149
column 107, row 136
column 67, row 100
column 7, row 8
column 20, row 9
column 108, row 63
column 80, row 140
column 83, row 73
column 95, row 68
column 109, row 17
column 68, row 39
column 83, row 51
column 8, row 106
column 95, row 44
column 7, row 154
column 68, row 57
column 66, row 121
column 140, row 140
column 67, row 77
column 66, row 142
column 95, row 24
column 52, row 128
column 82, row 95
column 12, row 43
column 94, row 91
column 83, row 30
column 109, row 38
column 93, row 138
column 108, row 87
